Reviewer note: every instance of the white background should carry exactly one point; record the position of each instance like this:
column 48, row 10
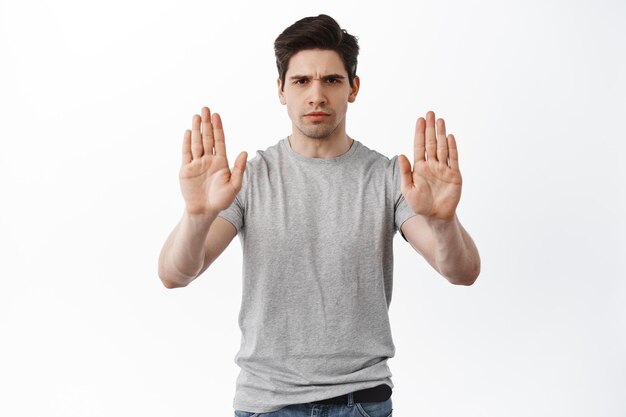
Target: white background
column 94, row 100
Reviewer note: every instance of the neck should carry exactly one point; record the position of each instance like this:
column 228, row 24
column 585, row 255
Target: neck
column 327, row 147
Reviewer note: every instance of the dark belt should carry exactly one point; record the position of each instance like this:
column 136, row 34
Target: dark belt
column 370, row 395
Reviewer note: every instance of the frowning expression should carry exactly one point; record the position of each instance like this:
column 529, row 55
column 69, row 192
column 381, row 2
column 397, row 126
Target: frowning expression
column 317, row 92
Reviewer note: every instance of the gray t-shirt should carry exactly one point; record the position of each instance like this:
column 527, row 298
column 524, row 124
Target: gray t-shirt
column 317, row 241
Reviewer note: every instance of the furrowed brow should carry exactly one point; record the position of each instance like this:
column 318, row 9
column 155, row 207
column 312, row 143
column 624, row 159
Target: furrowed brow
column 337, row 76
column 308, row 77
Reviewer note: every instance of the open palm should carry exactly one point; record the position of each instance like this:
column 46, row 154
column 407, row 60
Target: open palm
column 433, row 187
column 206, row 181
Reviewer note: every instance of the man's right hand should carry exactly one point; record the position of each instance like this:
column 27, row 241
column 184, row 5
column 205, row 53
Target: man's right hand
column 207, row 184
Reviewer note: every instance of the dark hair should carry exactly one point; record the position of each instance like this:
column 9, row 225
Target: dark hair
column 316, row 32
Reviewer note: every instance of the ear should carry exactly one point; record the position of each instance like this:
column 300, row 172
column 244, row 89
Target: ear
column 355, row 90
column 281, row 95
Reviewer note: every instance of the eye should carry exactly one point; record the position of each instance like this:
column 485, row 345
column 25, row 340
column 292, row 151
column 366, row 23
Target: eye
column 297, row 82
column 333, row 80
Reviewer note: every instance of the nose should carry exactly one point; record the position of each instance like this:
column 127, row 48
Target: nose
column 316, row 93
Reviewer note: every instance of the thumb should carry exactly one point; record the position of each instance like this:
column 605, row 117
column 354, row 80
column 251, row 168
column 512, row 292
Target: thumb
column 406, row 174
column 236, row 176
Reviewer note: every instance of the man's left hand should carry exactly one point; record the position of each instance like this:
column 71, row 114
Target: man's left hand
column 433, row 188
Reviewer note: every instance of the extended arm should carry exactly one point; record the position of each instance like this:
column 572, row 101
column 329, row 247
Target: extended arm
column 208, row 187
column 192, row 247
column 182, row 255
column 432, row 189
column 446, row 246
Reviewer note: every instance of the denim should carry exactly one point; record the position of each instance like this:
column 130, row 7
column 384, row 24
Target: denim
column 350, row 409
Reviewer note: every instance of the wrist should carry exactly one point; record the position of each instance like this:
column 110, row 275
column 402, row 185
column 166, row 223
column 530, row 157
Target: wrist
column 201, row 217
column 441, row 223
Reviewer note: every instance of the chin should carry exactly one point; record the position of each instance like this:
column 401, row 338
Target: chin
column 321, row 132
column 317, row 135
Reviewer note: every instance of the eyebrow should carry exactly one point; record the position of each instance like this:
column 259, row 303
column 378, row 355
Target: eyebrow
column 325, row 77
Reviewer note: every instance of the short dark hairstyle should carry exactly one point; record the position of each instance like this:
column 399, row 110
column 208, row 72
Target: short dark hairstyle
column 316, row 32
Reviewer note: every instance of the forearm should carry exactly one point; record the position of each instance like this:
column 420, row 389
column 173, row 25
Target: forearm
column 456, row 255
column 182, row 256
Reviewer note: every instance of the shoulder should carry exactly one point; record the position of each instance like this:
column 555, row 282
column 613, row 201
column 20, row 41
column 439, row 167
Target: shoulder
column 378, row 160
column 264, row 159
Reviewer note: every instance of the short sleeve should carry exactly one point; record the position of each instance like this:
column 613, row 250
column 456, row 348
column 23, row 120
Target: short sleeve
column 402, row 211
column 235, row 213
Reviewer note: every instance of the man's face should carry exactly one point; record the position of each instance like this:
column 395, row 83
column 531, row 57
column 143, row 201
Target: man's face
column 316, row 81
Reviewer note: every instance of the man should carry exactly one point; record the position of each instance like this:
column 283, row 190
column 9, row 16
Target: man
column 316, row 214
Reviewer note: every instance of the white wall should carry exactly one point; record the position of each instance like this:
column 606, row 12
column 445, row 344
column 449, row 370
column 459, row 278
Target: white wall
column 94, row 100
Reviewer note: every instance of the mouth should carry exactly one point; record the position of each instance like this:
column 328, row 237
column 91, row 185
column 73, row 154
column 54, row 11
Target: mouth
column 317, row 116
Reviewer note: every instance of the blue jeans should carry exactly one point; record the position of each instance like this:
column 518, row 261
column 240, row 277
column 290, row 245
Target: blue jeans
column 350, row 409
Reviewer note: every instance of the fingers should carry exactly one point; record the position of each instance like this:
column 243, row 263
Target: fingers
column 197, row 149
column 438, row 145
column 431, row 139
column 454, row 154
column 207, row 131
column 218, row 133
column 442, row 143
column 206, row 136
column 418, row 143
column 187, row 157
